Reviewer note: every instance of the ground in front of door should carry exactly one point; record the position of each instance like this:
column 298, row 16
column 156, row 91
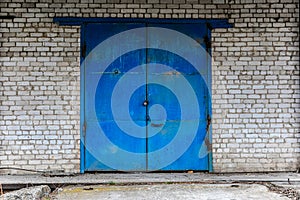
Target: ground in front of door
column 171, row 191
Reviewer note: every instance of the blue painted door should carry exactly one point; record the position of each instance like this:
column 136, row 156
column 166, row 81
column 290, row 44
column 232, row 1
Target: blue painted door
column 146, row 97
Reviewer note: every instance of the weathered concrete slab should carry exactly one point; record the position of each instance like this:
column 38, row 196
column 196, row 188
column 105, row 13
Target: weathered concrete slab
column 103, row 178
column 172, row 191
column 30, row 193
column 289, row 181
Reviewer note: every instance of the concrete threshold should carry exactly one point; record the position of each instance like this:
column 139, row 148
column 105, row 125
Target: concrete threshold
column 12, row 182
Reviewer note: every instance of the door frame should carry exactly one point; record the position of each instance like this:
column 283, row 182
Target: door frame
column 76, row 21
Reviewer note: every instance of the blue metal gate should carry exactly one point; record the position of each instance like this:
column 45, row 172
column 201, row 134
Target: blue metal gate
column 146, row 96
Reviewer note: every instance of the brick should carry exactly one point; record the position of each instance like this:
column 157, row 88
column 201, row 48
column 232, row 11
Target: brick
column 255, row 80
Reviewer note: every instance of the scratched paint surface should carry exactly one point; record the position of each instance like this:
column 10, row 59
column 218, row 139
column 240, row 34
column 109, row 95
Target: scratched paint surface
column 147, row 102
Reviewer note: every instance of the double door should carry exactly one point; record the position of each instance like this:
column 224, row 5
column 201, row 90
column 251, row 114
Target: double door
column 146, row 96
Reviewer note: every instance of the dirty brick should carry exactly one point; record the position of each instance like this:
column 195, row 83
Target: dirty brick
column 255, row 81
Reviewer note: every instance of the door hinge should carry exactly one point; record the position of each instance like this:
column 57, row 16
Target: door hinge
column 83, row 50
column 208, row 122
column 207, row 42
column 84, row 128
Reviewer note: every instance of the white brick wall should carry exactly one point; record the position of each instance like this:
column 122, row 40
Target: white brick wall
column 255, row 71
column 256, row 89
